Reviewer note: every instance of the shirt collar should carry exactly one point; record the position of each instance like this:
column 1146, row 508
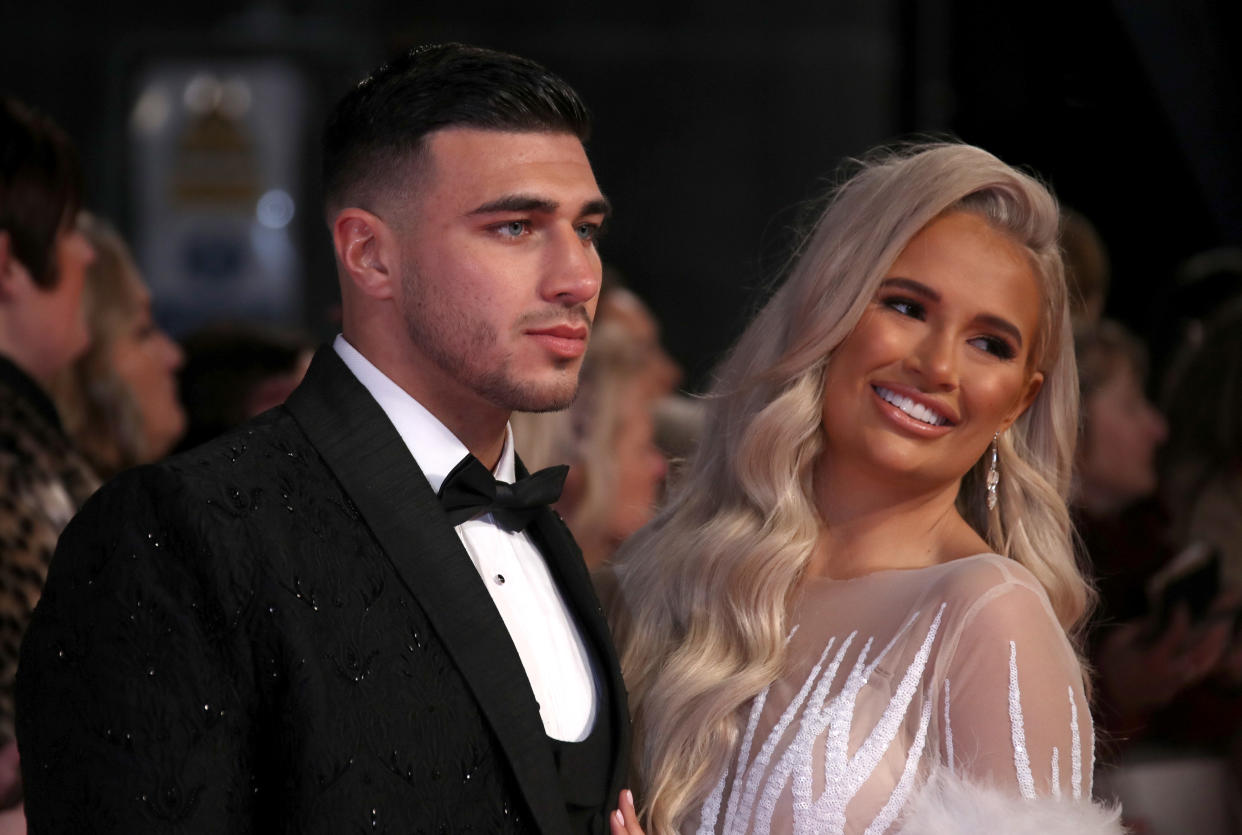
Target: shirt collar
column 435, row 448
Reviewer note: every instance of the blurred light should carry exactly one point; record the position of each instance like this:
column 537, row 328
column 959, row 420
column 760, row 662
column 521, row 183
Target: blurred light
column 274, row 209
column 151, row 111
column 235, row 98
column 202, row 93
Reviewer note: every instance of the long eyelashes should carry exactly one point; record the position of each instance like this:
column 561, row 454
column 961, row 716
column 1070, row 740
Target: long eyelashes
column 996, row 346
column 905, row 306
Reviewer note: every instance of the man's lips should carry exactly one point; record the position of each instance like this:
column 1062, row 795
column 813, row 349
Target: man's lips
column 565, row 341
column 561, row 331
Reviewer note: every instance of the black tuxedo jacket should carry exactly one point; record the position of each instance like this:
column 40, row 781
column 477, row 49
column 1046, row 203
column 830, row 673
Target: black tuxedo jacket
column 280, row 632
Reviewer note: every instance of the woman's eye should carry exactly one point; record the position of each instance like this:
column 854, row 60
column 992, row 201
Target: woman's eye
column 905, row 307
column 995, row 346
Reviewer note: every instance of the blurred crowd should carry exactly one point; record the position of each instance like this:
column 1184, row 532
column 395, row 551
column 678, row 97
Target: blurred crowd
column 1158, row 510
column 91, row 385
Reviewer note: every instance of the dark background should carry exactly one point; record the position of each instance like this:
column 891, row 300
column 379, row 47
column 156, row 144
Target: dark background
column 717, row 123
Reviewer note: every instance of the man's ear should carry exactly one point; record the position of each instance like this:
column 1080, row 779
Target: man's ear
column 1033, row 385
column 367, row 251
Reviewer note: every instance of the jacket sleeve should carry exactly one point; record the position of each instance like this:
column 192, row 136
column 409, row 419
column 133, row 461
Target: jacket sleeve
column 130, row 709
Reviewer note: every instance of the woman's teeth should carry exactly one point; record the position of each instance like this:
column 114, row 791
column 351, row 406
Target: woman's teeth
column 915, row 410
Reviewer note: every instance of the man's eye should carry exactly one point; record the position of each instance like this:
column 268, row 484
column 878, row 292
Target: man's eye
column 904, row 306
column 513, row 228
column 589, row 231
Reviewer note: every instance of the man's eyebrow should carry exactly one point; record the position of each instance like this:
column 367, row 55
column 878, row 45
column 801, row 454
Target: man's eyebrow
column 517, row 203
column 597, row 207
column 918, row 288
column 530, row 203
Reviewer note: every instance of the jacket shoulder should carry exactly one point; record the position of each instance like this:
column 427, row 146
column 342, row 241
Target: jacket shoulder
column 271, row 439
column 224, row 497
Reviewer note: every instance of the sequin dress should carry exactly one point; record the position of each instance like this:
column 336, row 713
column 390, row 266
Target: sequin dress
column 957, row 672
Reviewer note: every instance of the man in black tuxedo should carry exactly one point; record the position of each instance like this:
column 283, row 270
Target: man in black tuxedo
column 335, row 619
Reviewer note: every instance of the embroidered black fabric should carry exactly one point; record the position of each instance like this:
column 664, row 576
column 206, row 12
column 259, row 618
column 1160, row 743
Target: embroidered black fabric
column 222, row 646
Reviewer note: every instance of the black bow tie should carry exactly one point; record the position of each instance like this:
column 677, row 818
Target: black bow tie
column 470, row 490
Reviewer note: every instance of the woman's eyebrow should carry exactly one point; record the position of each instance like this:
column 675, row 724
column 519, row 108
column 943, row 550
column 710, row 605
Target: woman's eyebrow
column 911, row 286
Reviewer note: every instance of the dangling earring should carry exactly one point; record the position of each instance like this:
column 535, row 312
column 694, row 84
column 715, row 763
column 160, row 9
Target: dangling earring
column 993, row 475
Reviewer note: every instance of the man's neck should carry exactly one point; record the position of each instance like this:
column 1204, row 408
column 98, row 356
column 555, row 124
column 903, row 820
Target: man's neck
column 481, row 433
column 478, row 424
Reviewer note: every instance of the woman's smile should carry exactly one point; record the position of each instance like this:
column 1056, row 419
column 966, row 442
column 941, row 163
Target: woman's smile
column 914, row 407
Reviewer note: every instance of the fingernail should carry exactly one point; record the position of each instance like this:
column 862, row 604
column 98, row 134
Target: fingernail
column 619, row 818
column 629, row 797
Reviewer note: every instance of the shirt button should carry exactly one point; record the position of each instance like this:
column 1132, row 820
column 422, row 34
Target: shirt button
column 499, row 579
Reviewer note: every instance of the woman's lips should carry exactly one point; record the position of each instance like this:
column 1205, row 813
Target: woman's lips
column 913, row 411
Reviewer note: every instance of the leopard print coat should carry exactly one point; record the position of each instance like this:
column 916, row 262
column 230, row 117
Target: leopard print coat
column 43, row 482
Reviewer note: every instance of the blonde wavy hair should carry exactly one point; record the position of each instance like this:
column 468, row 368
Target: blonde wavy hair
column 704, row 591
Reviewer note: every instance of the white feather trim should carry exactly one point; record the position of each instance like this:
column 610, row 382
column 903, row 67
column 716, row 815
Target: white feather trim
column 949, row 805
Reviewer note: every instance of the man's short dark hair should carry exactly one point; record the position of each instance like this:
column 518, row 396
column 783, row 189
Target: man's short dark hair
column 40, row 187
column 382, row 122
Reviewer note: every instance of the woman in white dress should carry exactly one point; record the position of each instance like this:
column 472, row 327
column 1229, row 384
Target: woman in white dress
column 858, row 612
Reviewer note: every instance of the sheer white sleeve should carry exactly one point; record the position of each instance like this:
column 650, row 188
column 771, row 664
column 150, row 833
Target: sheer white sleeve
column 1016, row 714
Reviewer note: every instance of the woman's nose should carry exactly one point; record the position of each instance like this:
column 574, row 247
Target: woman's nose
column 934, row 359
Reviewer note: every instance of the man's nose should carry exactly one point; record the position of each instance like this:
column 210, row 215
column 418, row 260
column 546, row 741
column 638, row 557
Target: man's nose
column 573, row 272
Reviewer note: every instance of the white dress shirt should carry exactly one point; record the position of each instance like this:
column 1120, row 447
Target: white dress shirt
column 509, row 564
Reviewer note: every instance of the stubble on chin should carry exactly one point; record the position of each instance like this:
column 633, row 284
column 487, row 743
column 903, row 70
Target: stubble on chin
column 501, row 386
column 460, row 346
column 529, row 397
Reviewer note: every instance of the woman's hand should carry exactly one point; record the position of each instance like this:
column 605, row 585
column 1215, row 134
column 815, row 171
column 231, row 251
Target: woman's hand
column 624, row 821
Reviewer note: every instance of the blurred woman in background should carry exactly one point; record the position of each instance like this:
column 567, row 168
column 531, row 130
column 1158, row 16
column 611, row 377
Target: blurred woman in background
column 119, row 400
column 1204, row 455
column 608, row 438
column 1144, row 656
